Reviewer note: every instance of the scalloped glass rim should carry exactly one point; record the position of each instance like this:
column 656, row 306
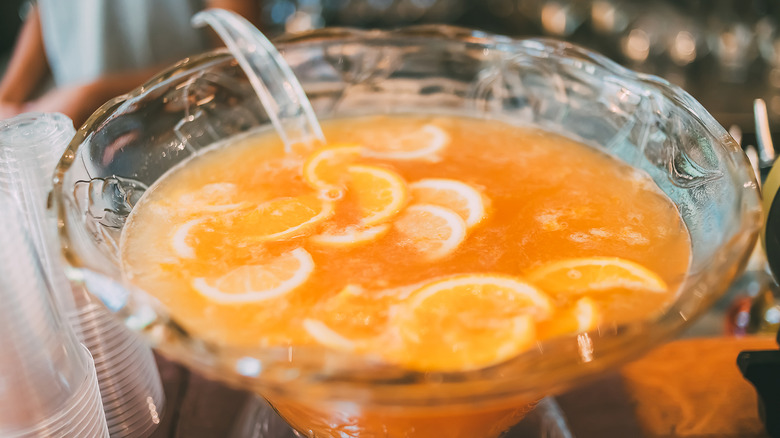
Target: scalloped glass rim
column 318, row 372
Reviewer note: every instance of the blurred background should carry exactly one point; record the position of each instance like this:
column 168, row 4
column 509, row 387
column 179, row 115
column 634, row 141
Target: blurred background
column 724, row 52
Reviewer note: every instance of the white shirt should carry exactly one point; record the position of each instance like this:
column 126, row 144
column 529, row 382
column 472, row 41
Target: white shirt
column 86, row 39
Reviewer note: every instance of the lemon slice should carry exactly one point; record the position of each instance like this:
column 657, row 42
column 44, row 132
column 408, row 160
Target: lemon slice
column 469, row 321
column 378, row 193
column 453, row 194
column 584, row 315
column 431, row 231
column 424, row 142
column 350, row 236
column 325, row 169
column 579, row 275
column 252, row 283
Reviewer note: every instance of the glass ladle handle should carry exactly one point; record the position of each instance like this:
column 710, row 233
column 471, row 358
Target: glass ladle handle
column 272, row 79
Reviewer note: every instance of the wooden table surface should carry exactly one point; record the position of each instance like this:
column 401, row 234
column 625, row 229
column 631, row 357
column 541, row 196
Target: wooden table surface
column 688, row 388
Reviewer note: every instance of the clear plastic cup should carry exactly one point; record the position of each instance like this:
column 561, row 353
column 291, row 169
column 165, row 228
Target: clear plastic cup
column 30, row 145
column 130, row 385
column 48, row 383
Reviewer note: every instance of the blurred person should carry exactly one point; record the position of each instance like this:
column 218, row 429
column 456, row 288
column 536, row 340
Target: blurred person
column 98, row 49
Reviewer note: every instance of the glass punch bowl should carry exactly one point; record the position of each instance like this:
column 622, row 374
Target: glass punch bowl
column 131, row 141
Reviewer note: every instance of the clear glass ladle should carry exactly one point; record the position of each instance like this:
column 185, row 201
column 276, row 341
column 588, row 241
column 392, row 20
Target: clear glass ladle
column 277, row 87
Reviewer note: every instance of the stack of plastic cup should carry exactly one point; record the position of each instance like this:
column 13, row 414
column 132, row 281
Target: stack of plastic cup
column 24, row 173
column 48, row 383
column 132, row 393
column 129, row 380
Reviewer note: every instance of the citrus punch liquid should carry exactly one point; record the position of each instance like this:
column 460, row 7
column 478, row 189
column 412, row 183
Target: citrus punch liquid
column 435, row 243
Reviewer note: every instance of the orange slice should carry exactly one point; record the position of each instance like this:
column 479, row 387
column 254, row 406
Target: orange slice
column 253, row 283
column 211, row 198
column 573, row 276
column 351, row 320
column 180, row 239
column 277, row 219
column 584, row 315
column 453, row 194
column 328, row 337
column 350, row 236
column 431, row 231
column 379, row 193
column 424, row 142
column 282, row 218
column 325, row 169
column 469, row 321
